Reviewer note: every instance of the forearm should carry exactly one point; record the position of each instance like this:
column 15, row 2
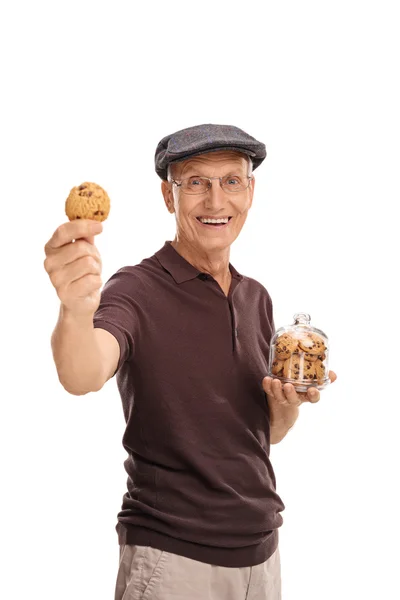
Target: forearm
column 76, row 354
column 281, row 422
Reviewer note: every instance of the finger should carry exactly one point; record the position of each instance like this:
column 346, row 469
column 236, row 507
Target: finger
column 73, row 230
column 86, row 265
column 89, row 239
column 266, row 383
column 79, row 249
column 70, row 253
column 85, row 285
column 332, row 376
column 277, row 391
column 291, row 396
column 313, row 395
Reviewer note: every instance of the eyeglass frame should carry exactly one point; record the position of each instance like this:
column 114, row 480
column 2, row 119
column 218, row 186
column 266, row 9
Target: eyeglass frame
column 249, row 177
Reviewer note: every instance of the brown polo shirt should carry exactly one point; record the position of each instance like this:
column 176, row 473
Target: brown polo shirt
column 200, row 483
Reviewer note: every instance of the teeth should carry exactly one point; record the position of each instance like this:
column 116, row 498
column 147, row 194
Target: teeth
column 214, row 220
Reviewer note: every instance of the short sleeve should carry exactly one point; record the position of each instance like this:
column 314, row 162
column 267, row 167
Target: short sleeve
column 270, row 312
column 117, row 314
column 271, row 318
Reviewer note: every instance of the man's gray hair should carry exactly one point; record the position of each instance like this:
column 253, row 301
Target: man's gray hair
column 171, row 166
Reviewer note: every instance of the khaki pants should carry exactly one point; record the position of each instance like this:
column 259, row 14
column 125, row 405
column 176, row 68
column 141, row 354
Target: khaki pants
column 149, row 574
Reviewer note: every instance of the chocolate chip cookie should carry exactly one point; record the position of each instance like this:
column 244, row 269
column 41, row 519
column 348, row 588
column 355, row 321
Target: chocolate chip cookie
column 87, row 201
column 294, row 366
column 319, row 369
column 277, row 367
column 285, row 346
column 312, row 343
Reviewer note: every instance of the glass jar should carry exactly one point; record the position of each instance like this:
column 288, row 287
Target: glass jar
column 299, row 354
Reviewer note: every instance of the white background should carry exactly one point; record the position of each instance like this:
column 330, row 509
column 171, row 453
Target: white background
column 89, row 88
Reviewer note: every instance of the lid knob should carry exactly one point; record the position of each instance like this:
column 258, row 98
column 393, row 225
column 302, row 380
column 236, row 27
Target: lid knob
column 302, row 319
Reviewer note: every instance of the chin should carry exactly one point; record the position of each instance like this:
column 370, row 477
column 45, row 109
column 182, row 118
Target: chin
column 216, row 244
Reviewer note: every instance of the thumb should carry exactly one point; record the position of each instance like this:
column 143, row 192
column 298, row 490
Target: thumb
column 332, row 376
column 89, row 239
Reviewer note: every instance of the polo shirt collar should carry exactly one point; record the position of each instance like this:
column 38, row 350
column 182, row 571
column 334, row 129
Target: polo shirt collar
column 180, row 269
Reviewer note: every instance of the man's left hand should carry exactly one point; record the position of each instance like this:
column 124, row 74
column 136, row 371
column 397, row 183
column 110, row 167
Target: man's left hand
column 284, row 402
column 286, row 395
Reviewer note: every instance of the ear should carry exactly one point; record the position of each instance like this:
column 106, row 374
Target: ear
column 166, row 188
column 251, row 190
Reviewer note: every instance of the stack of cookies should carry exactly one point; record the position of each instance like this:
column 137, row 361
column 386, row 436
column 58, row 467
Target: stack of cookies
column 299, row 356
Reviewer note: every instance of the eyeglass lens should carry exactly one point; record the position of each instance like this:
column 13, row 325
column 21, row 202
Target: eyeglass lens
column 199, row 185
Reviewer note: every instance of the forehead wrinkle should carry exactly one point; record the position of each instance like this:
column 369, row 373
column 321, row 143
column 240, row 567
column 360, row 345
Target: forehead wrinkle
column 210, row 161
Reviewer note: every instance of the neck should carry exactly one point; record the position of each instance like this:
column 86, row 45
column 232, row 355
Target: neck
column 215, row 263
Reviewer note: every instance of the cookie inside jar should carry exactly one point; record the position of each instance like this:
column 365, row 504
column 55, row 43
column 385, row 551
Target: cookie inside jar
column 299, row 355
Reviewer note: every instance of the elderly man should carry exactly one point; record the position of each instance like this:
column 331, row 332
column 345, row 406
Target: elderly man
column 188, row 339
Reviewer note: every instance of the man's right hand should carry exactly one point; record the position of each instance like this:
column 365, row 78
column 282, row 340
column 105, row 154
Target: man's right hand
column 73, row 264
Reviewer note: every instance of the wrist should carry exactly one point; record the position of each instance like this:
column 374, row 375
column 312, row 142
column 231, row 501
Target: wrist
column 69, row 316
column 282, row 416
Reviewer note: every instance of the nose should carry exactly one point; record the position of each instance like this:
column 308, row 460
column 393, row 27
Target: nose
column 215, row 197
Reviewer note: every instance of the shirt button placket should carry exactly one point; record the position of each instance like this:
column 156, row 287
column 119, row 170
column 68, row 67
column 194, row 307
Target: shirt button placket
column 234, row 327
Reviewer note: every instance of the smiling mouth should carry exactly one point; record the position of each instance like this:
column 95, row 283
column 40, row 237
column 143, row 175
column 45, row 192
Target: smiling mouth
column 215, row 223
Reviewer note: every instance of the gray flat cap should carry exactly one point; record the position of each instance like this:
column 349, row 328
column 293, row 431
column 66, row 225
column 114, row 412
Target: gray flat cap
column 202, row 139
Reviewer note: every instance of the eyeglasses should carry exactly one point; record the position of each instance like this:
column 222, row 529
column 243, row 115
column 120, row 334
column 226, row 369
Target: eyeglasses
column 200, row 185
